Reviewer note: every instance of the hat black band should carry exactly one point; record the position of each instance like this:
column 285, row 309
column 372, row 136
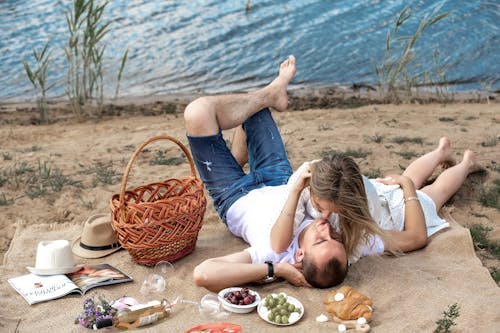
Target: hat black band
column 100, row 248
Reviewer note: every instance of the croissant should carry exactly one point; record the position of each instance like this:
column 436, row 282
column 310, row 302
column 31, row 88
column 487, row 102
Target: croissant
column 347, row 303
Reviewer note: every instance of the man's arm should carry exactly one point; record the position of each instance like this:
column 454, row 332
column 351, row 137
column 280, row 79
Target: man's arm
column 282, row 231
column 237, row 269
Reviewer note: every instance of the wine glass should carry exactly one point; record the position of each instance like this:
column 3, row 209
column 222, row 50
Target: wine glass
column 211, row 308
column 154, row 283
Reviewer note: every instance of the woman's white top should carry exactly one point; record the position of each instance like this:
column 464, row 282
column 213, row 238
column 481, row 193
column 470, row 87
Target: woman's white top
column 387, row 208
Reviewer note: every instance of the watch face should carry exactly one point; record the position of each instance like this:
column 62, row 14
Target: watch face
column 269, row 279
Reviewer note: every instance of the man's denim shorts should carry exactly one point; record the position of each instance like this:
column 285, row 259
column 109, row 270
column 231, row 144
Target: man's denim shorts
column 223, row 177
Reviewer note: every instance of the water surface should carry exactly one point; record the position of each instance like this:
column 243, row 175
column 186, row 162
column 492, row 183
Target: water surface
column 216, row 46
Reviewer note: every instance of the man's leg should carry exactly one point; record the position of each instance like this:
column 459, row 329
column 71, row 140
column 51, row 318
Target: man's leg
column 239, row 146
column 208, row 115
column 423, row 167
column 450, row 180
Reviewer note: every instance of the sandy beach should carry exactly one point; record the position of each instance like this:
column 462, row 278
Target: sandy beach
column 84, row 160
column 93, row 153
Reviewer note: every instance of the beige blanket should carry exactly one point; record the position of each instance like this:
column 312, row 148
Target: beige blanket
column 409, row 292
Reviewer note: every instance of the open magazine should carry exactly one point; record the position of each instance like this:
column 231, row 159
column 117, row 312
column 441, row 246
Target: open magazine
column 38, row 288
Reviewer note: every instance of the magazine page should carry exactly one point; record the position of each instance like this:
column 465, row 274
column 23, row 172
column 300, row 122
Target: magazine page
column 37, row 288
column 92, row 276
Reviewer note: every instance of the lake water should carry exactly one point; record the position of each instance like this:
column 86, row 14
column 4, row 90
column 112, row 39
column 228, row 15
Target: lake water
column 217, row 46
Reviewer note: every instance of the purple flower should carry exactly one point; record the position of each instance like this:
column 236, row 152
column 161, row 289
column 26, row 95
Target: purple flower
column 93, row 312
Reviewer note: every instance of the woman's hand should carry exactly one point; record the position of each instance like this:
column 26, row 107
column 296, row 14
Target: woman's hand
column 291, row 273
column 394, row 180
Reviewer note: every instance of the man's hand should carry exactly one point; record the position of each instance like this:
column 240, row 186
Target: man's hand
column 303, row 179
column 291, row 273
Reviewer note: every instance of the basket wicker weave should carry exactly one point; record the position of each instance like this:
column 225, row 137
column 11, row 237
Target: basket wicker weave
column 159, row 221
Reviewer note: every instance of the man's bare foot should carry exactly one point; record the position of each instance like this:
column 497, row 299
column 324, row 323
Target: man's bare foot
column 471, row 162
column 444, row 148
column 276, row 90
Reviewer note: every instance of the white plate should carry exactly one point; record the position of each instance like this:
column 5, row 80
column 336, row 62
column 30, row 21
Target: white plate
column 238, row 308
column 261, row 310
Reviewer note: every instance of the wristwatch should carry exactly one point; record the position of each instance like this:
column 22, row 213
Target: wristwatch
column 270, row 277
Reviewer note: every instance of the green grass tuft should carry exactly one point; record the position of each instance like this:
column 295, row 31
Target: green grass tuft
column 354, row 153
column 446, row 119
column 161, row 159
column 479, row 234
column 407, row 155
column 489, row 142
column 104, row 173
column 444, row 324
column 403, row 139
column 488, row 195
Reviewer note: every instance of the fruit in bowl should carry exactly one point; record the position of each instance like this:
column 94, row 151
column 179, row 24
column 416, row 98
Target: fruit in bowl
column 239, row 300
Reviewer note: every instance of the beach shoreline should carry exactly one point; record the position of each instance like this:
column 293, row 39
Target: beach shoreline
column 24, row 111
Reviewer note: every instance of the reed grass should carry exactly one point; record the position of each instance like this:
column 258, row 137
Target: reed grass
column 38, row 78
column 85, row 56
column 393, row 73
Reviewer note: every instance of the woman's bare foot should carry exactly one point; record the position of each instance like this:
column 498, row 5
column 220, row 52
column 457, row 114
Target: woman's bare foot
column 276, row 90
column 444, row 149
column 471, row 162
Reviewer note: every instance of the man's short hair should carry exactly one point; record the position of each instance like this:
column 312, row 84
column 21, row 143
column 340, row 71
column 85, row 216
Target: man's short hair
column 331, row 274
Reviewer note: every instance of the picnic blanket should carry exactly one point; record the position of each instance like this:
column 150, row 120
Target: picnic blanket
column 409, row 292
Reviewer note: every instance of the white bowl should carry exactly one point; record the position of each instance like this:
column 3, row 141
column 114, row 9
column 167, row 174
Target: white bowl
column 238, row 308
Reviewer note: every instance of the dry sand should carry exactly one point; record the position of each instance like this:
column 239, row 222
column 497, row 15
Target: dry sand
column 84, row 150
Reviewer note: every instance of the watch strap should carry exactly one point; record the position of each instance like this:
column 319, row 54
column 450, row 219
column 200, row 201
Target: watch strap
column 270, row 270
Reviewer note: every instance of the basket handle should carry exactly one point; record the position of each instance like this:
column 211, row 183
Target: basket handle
column 134, row 156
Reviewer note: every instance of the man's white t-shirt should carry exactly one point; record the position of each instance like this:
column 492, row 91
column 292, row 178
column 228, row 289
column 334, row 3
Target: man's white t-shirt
column 252, row 217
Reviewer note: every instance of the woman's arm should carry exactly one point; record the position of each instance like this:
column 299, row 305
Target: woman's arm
column 414, row 234
column 282, row 230
column 237, row 269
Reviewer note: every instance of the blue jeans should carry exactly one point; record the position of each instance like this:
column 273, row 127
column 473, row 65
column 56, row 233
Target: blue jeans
column 223, row 177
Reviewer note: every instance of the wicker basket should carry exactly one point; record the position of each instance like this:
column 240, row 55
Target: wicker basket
column 159, row 221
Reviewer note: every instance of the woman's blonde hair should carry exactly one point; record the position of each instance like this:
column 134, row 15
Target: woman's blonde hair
column 337, row 178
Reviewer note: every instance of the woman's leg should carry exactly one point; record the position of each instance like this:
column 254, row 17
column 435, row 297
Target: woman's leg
column 208, row 115
column 423, row 167
column 450, row 180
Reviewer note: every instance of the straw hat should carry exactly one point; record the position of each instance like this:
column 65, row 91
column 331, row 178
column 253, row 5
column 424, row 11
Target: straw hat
column 54, row 257
column 98, row 238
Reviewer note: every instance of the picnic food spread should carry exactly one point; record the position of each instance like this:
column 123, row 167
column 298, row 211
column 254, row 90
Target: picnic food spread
column 347, row 303
column 350, row 308
column 280, row 309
